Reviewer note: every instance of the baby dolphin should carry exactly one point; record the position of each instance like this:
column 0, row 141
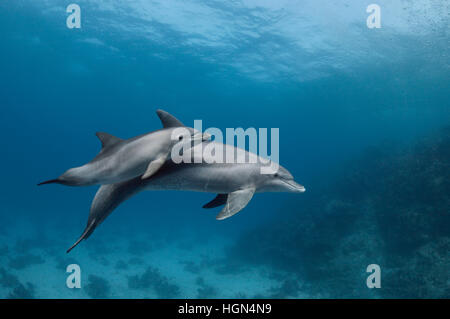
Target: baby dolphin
column 121, row 159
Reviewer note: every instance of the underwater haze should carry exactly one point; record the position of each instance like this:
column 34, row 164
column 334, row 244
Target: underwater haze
column 364, row 121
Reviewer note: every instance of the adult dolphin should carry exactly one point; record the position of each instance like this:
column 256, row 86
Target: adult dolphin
column 120, row 160
column 234, row 183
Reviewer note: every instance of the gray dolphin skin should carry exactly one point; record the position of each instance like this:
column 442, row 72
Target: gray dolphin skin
column 121, row 159
column 234, row 183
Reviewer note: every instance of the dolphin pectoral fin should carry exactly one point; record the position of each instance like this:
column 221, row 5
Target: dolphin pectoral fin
column 236, row 202
column 87, row 231
column 219, row 200
column 154, row 166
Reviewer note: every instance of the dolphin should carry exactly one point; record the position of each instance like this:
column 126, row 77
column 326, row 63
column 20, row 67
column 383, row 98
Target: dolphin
column 123, row 159
column 234, row 183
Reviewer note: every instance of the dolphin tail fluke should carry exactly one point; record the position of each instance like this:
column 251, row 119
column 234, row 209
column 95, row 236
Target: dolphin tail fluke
column 50, row 181
column 87, row 231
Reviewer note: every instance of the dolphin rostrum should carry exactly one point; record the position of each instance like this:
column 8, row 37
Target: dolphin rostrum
column 234, row 184
column 121, row 160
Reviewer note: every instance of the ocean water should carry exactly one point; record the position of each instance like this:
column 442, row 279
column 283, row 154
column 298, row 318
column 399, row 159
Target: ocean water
column 363, row 115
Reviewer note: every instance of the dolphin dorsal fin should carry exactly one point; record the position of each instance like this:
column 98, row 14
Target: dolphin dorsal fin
column 107, row 139
column 168, row 120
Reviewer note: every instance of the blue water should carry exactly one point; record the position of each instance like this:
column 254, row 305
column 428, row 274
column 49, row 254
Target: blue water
column 336, row 89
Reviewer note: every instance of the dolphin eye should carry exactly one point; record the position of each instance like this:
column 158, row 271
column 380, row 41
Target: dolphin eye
column 275, row 175
column 180, row 137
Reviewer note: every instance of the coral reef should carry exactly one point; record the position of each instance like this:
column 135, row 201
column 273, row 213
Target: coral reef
column 205, row 291
column 19, row 290
column 241, row 295
column 153, row 279
column 23, row 261
column 22, row 292
column 97, row 287
column 389, row 207
column 7, row 279
column 289, row 288
column 427, row 274
column 25, row 245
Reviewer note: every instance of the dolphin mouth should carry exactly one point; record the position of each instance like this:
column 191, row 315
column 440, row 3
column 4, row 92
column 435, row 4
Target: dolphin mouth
column 206, row 137
column 295, row 187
